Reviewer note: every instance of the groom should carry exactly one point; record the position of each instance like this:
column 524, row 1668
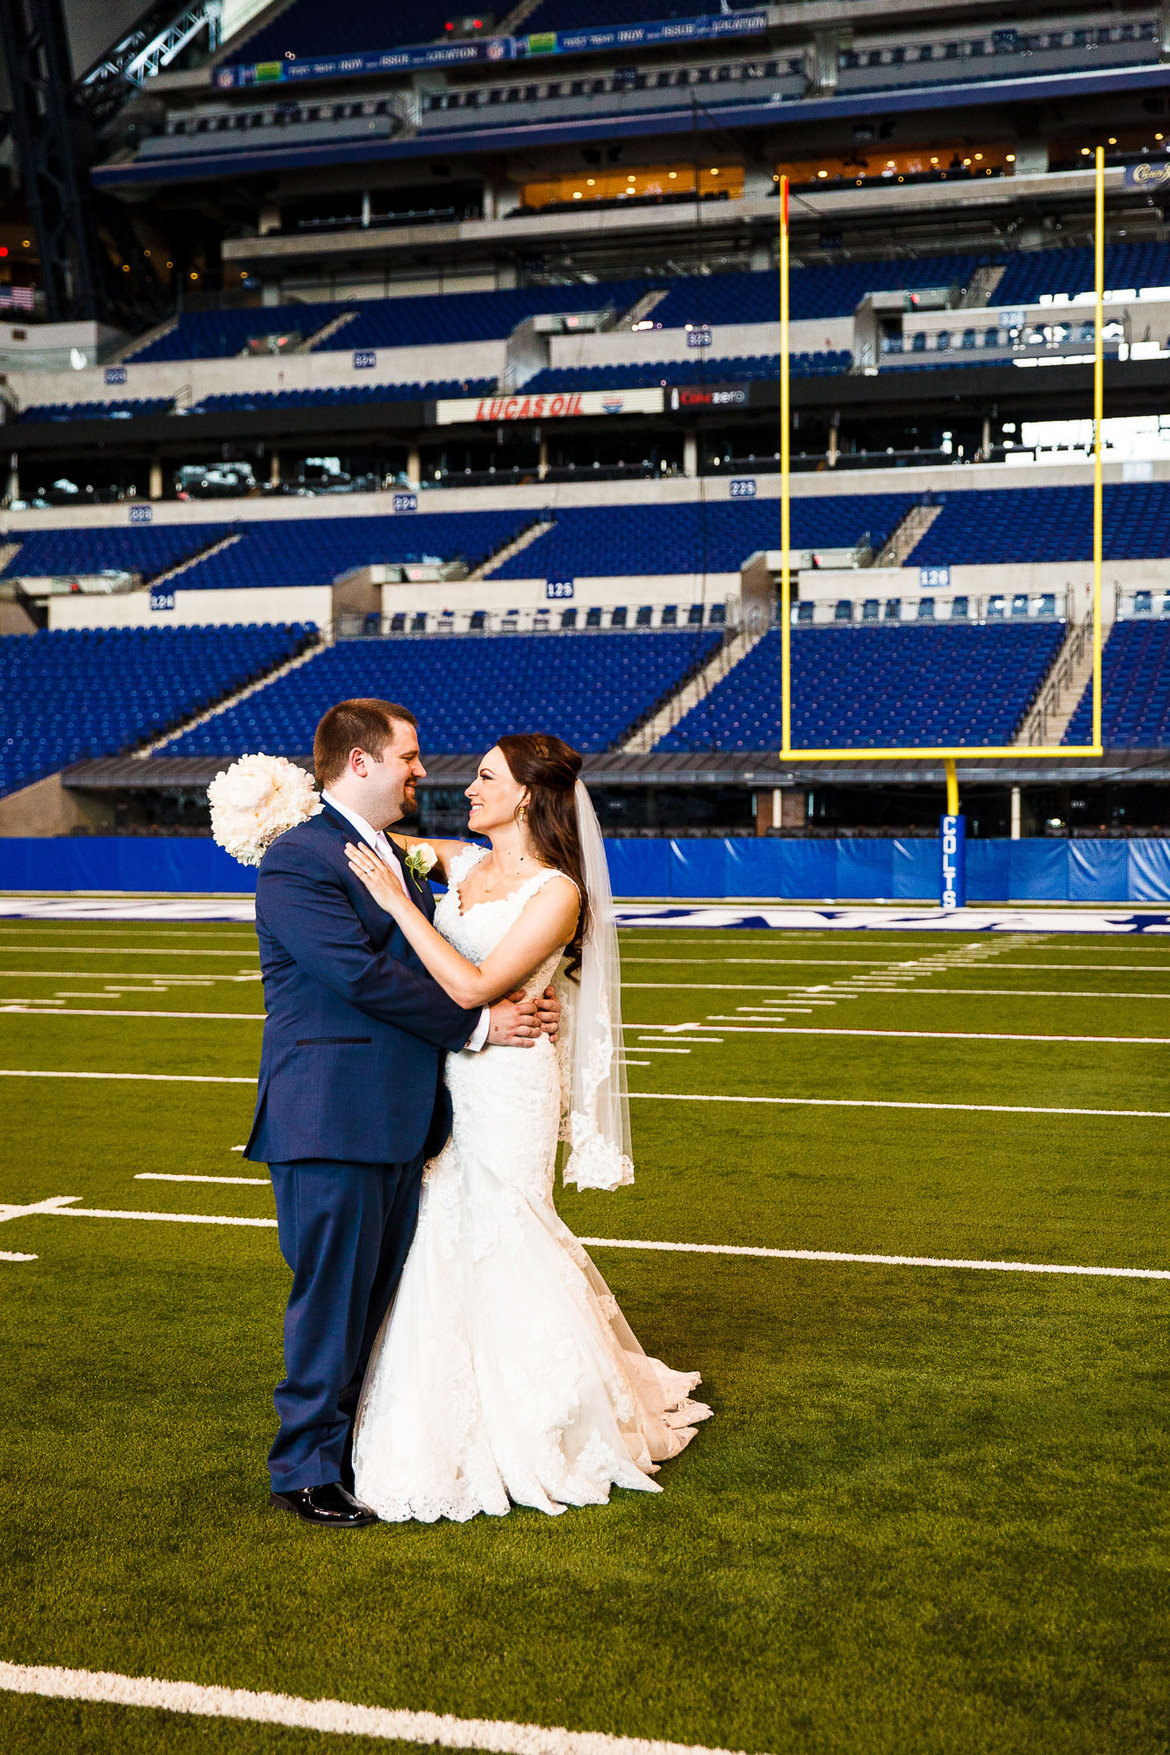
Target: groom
column 351, row 1099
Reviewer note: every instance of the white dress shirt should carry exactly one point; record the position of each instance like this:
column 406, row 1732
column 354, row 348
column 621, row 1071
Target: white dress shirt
column 376, row 838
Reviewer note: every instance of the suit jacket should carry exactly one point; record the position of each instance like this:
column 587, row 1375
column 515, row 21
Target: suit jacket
column 356, row 1030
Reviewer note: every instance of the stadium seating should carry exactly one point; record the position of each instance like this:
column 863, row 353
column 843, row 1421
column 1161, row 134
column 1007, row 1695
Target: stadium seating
column 1135, row 679
column 422, row 321
column 589, row 688
column 601, row 14
column 1030, row 273
column 67, row 695
column 614, row 540
column 346, row 394
column 126, row 410
column 475, row 316
column 346, row 27
column 987, row 526
column 315, row 551
column 147, row 549
column 830, row 291
column 739, row 369
column 208, row 335
column 995, row 53
column 868, row 687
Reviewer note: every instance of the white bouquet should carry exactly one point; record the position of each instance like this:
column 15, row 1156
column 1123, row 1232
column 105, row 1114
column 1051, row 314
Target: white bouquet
column 257, row 799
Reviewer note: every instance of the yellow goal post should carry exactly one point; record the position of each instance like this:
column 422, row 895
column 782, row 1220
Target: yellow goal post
column 949, row 753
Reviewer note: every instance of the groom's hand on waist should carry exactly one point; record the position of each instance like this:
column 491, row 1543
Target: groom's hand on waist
column 548, row 1010
column 515, row 1022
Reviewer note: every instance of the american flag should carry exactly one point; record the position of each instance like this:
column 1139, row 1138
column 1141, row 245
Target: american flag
column 17, row 298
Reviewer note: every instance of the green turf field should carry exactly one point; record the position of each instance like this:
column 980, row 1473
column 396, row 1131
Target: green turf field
column 931, row 1513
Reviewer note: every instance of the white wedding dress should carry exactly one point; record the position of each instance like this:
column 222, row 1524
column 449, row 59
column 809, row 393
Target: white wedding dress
column 504, row 1373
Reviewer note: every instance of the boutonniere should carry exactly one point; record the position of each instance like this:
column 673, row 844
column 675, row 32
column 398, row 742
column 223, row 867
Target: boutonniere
column 421, row 861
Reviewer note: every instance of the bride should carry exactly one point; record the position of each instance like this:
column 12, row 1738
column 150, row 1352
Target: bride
column 504, row 1372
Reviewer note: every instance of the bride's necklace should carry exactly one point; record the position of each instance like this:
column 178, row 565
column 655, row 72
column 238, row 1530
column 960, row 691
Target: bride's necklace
column 493, row 883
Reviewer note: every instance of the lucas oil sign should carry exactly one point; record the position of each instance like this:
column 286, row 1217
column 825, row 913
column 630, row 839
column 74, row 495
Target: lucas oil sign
column 563, row 406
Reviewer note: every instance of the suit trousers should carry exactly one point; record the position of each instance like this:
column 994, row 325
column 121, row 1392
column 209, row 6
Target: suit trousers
column 345, row 1230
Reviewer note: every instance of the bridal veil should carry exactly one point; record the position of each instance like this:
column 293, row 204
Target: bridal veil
column 595, row 1104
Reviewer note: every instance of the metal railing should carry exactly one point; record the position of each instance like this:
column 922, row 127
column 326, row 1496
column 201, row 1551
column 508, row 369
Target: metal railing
column 923, row 610
column 1047, row 718
column 592, row 619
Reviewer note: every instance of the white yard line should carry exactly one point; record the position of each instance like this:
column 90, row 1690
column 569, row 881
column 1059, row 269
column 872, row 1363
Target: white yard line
column 14, row 1072
column 53, row 1204
column 911, row 993
column 852, row 962
column 655, row 1036
column 169, row 980
column 131, row 951
column 160, row 1218
column 891, row 1103
column 928, row 1261
column 746, row 1027
column 58, row 1208
column 235, row 1181
column 247, row 937
column 645, row 1048
column 33, row 1010
column 341, row 1717
column 9, row 1255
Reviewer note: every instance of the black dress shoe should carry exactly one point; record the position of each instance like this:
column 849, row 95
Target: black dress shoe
column 329, row 1507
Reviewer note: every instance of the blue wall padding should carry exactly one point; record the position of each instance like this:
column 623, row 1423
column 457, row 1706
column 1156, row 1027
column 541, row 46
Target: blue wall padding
column 847, row 870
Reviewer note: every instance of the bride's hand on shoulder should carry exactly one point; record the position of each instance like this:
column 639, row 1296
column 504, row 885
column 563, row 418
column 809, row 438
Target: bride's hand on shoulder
column 383, row 886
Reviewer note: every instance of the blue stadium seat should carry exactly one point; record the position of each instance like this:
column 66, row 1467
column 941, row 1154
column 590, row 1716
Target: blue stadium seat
column 830, row 291
column 422, row 321
column 468, row 689
column 315, row 551
column 866, row 687
column 738, row 369
column 719, row 537
column 1004, row 525
column 95, row 692
column 1135, row 678
column 345, row 27
column 148, row 549
column 1033, row 272
column 205, row 335
column 340, row 395
column 600, row 14
column 124, row 410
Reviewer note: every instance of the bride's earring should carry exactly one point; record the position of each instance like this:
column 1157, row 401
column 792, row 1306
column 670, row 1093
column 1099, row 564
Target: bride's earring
column 521, row 813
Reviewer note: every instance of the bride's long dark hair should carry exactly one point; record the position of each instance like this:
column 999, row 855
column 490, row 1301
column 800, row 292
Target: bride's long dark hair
column 549, row 768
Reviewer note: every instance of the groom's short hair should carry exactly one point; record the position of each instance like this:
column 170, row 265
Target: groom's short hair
column 365, row 724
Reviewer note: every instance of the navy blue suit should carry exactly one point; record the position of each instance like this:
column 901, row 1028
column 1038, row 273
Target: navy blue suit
column 351, row 1102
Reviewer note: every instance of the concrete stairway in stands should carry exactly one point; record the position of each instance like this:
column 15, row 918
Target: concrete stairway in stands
column 1069, row 675
column 905, row 539
column 523, row 541
column 693, row 689
column 251, row 688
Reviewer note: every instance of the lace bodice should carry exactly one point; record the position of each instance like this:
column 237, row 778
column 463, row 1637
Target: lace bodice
column 477, row 930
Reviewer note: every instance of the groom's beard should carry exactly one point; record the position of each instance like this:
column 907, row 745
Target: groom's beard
column 409, row 802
